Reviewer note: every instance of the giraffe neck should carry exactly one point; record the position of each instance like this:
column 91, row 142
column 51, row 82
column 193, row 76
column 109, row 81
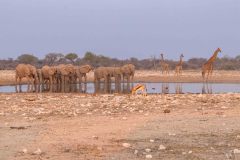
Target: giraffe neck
column 180, row 61
column 213, row 58
column 162, row 59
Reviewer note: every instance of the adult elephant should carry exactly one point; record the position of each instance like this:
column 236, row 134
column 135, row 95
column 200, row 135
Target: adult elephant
column 48, row 74
column 26, row 71
column 66, row 73
column 116, row 73
column 128, row 71
column 132, row 71
column 101, row 73
column 82, row 72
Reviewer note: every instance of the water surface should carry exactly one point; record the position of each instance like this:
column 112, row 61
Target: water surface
column 124, row 88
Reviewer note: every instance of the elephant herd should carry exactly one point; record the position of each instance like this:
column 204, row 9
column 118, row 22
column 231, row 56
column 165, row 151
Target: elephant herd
column 68, row 74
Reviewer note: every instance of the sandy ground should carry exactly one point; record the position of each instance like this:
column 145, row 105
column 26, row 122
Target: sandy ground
column 78, row 126
column 7, row 77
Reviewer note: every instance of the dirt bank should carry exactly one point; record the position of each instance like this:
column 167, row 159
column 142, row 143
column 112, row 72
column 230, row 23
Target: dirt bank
column 79, row 126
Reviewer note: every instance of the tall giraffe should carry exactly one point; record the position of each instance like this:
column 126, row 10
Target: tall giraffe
column 208, row 66
column 178, row 68
column 164, row 65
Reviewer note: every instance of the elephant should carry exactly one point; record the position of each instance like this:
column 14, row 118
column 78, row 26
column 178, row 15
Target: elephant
column 48, row 74
column 107, row 73
column 26, row 71
column 132, row 71
column 65, row 73
column 115, row 72
column 101, row 72
column 82, row 72
column 39, row 74
column 34, row 73
column 128, row 71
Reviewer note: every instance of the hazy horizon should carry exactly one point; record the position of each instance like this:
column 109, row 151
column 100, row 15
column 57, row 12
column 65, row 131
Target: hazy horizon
column 120, row 29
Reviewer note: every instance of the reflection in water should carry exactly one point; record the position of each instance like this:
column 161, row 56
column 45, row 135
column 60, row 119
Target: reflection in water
column 112, row 88
column 207, row 88
column 30, row 88
column 125, row 88
column 165, row 88
column 178, row 88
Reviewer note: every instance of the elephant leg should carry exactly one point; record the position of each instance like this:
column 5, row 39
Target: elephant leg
column 16, row 83
column 28, row 84
column 85, row 79
column 32, row 84
column 50, row 83
column 20, row 84
column 105, row 84
column 128, row 79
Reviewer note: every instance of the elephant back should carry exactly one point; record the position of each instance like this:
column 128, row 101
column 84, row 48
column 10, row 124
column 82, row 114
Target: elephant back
column 22, row 70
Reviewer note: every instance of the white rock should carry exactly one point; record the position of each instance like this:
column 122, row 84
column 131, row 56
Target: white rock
column 146, row 114
column 136, row 151
column 184, row 153
column 99, row 148
column 171, row 134
column 224, row 107
column 25, row 150
column 189, row 152
column 126, row 145
column 37, row 152
column 161, row 147
column 149, row 156
column 95, row 137
column 151, row 140
column 124, row 118
column 236, row 151
column 148, row 150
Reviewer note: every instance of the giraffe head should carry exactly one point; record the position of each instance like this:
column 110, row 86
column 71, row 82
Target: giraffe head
column 219, row 50
column 181, row 55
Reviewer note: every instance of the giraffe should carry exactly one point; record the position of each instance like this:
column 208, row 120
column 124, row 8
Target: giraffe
column 208, row 66
column 178, row 68
column 164, row 65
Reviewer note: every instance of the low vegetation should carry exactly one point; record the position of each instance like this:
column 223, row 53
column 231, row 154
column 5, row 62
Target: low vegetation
column 224, row 63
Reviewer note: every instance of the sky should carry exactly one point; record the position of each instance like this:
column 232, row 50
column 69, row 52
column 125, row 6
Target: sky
column 120, row 28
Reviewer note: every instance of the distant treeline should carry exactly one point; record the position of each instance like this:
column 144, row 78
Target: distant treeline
column 153, row 63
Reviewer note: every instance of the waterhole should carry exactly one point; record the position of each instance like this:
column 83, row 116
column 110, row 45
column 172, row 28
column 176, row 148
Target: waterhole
column 154, row 88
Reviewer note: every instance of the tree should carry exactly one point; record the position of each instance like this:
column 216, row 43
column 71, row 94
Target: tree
column 237, row 57
column 72, row 57
column 89, row 56
column 27, row 58
column 52, row 58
